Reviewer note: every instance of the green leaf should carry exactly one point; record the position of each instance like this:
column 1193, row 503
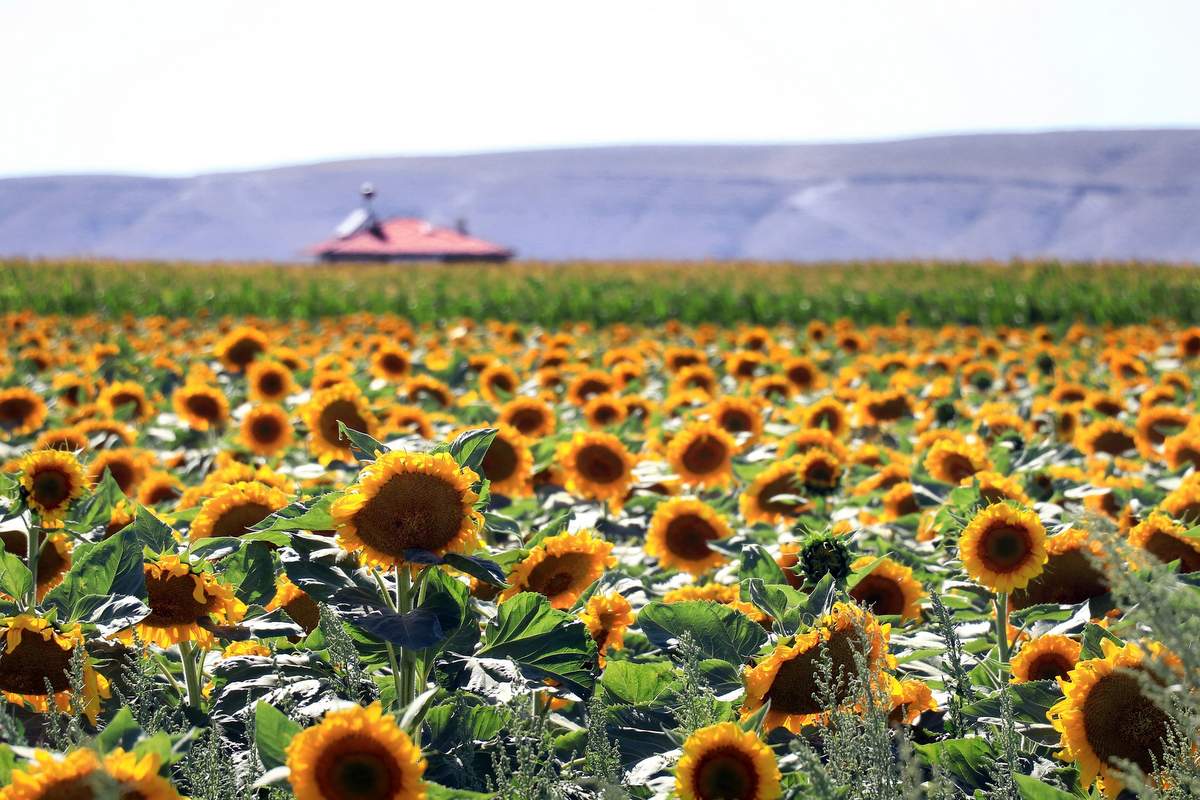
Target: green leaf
column 821, row 599
column 758, row 563
column 15, row 577
column 718, row 630
column 303, row 515
column 634, row 684
column 780, row 602
column 966, row 759
column 251, row 571
column 273, row 731
column 543, row 641
column 1093, row 634
column 152, row 531
column 1030, row 701
column 364, row 446
column 484, row 569
column 469, row 448
column 436, row 791
column 111, row 566
column 1031, row 788
column 97, row 508
column 109, row 613
column 8, row 760
column 121, row 731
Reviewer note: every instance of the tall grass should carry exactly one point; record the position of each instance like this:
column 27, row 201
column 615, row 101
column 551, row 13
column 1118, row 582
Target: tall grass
column 1019, row 293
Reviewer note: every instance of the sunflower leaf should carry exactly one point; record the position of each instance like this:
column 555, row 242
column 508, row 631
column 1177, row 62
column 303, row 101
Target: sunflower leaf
column 483, row 569
column 113, row 566
column 758, row 563
column 308, row 514
column 544, row 642
column 15, row 577
column 109, row 613
column 97, row 508
column 469, row 448
column 152, row 531
column 273, row 731
column 365, row 447
column 1093, row 634
column 719, row 631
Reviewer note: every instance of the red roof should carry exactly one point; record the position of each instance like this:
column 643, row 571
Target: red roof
column 409, row 238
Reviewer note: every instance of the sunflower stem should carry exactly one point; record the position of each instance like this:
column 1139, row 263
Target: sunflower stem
column 191, row 674
column 403, row 606
column 393, row 662
column 33, row 554
column 1002, row 631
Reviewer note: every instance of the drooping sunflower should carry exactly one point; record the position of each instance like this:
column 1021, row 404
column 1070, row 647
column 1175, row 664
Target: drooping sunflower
column 1003, row 547
column 356, row 754
column 22, row 412
column 723, row 762
column 296, row 603
column 774, row 496
column 534, row 418
column 910, row 698
column 269, row 381
column 52, row 480
column 1107, row 715
column 35, row 653
column 126, row 397
column 236, row 508
column 343, row 403
column 406, row 501
column 182, row 601
column 1070, row 577
column 788, row 676
column 201, row 406
column 508, row 462
column 953, row 462
column 701, row 454
column 889, row 589
column 1167, row 541
column 266, row 430
column 561, row 568
column 1045, row 658
column 127, row 465
column 680, row 531
column 607, row 616
column 241, row 346
column 598, row 466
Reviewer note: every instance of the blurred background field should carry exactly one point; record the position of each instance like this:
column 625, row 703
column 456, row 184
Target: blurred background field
column 1020, row 293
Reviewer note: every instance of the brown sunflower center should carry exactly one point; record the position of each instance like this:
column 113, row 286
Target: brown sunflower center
column 735, row 420
column 880, row 595
column 243, row 351
column 820, row 474
column 889, row 409
column 994, row 494
column 161, row 493
column 271, row 384
column 526, row 420
column 123, row 472
column 592, row 386
column 1120, row 721
column 795, row 689
column 123, row 399
column 559, row 573
column 411, row 510
column 172, row 600
column 500, row 462
column 704, row 455
column 605, row 414
column 305, row 611
column 394, row 364
column 78, row 788
column 726, row 773
column 783, row 485
column 345, row 411
column 357, row 767
column 14, row 411
column 1067, row 578
column 599, row 464
column 33, row 662
column 826, row 418
column 1005, row 547
column 51, row 488
column 1114, row 443
column 688, row 536
column 956, row 467
column 1048, row 666
column 266, row 429
column 801, row 376
column 204, row 406
column 1187, row 455
column 903, row 504
column 501, row 383
column 239, row 519
column 1167, row 548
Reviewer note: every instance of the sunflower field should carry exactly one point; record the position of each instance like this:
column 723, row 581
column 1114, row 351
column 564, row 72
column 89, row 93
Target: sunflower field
column 374, row 556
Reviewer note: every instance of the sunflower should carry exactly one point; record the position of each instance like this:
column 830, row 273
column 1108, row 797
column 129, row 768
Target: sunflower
column 604, row 410
column 201, row 407
column 407, row 501
column 137, row 777
column 1069, row 576
column 953, row 462
column 702, row 454
column 788, row 560
column 787, row 678
column 405, row 420
column 723, row 762
column 104, row 432
column 269, row 381
column 561, row 568
column 73, row 389
column 1045, row 658
column 52, row 480
column 884, row 407
column 1167, row 541
column 296, row 603
column 889, row 589
column 498, row 382
column 534, row 418
column 1106, row 715
column 343, row 403
column 803, row 374
column 70, row 440
column 679, row 533
column 1107, row 436
column 508, row 463
column 774, row 495
column 1182, row 450
column 126, row 397
column 909, row 699
column 900, row 501
column 21, row 412
column 996, row 488
column 607, row 616
column 1003, row 547
column 802, row 441
column 34, row 654
column 241, row 346
column 1183, row 503
column 236, row 508
column 127, row 465
column 597, row 465
column 355, row 754
column 588, row 383
column 1156, row 423
column 266, row 430
column 818, row 471
column 829, row 415
column 391, row 363
column 183, row 602
column 738, row 416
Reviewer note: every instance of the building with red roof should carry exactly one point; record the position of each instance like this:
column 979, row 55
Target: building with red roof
column 362, row 236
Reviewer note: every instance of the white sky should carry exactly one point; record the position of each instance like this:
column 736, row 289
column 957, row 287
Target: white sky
column 168, row 87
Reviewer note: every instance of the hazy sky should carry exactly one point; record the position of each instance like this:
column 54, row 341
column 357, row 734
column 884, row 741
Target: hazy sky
column 166, row 87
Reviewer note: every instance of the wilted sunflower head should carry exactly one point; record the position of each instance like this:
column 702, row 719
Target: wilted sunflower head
column 1003, row 547
column 355, row 754
column 723, row 762
column 406, row 501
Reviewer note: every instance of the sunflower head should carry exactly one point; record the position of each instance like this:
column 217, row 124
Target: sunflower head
column 534, row 418
column 910, row 698
column 607, row 616
column 889, row 589
column 723, row 762
column 266, row 430
column 819, row 472
column 240, row 347
column 269, row 381
column 1071, row 575
column 701, row 454
column 405, row 501
column 774, row 495
column 598, row 466
column 679, row 533
column 1004, row 547
column 52, row 480
column 1167, row 541
column 344, row 403
column 825, row 553
column 201, row 406
column 561, row 568
column 953, row 462
column 21, row 412
column 34, row 653
column 508, row 462
column 235, row 508
column 183, row 602
column 1045, row 658
column 355, row 754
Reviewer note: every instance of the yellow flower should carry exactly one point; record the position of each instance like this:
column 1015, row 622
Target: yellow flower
column 52, row 479
column 954, row 462
column 889, row 589
column 406, row 501
column 561, row 568
column 607, row 616
column 1045, row 658
column 35, row 654
column 1003, row 547
column 909, row 698
column 679, row 533
column 180, row 598
column 355, row 753
column 1069, row 577
column 201, row 407
column 534, row 418
column 723, row 762
column 234, row 509
column 1167, row 541
column 344, row 403
column 597, row 465
column 764, row 499
column 21, row 411
column 508, row 463
column 298, row 605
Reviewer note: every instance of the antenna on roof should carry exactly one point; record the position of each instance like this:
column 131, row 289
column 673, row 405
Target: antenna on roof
column 361, row 219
